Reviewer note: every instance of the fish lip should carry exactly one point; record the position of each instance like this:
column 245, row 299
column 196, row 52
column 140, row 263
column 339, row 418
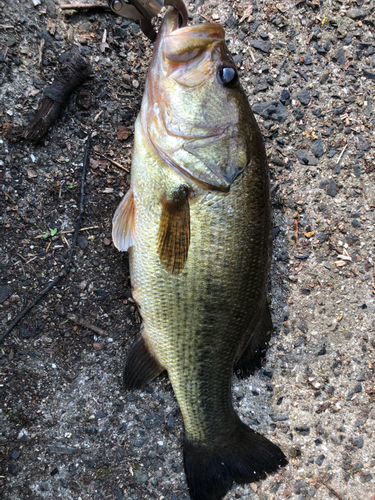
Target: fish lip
column 207, row 30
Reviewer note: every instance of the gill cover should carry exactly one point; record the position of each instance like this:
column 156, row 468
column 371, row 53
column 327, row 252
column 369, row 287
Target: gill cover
column 190, row 116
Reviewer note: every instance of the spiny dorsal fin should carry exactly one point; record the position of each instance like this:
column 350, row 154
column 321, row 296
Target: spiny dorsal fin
column 174, row 232
column 123, row 223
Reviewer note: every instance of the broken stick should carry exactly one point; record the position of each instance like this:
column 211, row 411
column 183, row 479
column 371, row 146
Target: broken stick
column 72, row 73
column 83, row 322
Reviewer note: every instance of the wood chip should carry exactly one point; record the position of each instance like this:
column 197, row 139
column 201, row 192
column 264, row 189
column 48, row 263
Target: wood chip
column 323, row 407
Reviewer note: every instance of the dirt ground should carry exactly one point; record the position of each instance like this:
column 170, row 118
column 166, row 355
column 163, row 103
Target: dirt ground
column 68, row 430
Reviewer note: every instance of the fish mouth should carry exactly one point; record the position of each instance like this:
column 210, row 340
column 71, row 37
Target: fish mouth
column 184, row 44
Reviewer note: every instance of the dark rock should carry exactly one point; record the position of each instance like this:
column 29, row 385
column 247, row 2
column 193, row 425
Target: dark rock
column 277, row 161
column 304, row 97
column 356, row 223
column 339, row 57
column 237, row 60
column 302, row 325
column 366, row 477
column 99, row 415
column 273, row 110
column 299, row 342
column 298, row 113
column 358, row 442
column 260, row 85
column 319, row 460
column 363, row 144
column 231, row 22
column 323, row 184
column 285, row 96
column 356, row 13
column 324, row 78
column 153, row 420
column 119, row 495
column 14, row 454
column 322, row 351
column 357, row 171
column 305, row 157
column 279, row 418
column 291, row 47
column 262, row 45
column 332, row 189
column 5, row 292
column 13, row 469
column 299, row 487
column 51, row 9
column 349, row 396
column 358, row 388
column 318, row 148
column 82, row 242
column 322, row 237
column 307, row 59
column 27, row 334
column 140, row 477
column 171, row 422
column 303, row 429
column 340, row 110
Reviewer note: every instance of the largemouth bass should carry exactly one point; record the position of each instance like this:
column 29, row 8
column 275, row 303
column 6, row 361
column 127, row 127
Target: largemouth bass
column 196, row 222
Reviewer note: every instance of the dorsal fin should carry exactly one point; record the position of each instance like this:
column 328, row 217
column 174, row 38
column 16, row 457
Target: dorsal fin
column 174, row 232
column 123, row 223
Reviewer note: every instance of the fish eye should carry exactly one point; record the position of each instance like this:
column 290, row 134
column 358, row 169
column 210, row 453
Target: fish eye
column 227, row 76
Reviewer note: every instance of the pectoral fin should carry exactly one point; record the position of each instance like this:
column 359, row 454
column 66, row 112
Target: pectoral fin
column 123, row 223
column 174, row 232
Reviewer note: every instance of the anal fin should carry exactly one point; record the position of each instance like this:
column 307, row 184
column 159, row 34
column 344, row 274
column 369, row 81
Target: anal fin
column 256, row 349
column 123, row 223
column 174, row 232
column 141, row 366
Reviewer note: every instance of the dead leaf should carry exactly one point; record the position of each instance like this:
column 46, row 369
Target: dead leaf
column 31, row 174
column 93, row 163
column 247, row 14
column 123, row 133
column 51, row 27
column 103, row 46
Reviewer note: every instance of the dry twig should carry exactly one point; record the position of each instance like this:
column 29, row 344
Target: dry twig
column 112, row 161
column 83, row 322
column 65, row 270
column 329, row 487
column 84, row 6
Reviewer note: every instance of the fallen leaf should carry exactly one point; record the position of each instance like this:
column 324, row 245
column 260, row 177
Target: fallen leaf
column 123, row 133
column 31, row 173
column 103, row 46
column 247, row 14
column 93, row 163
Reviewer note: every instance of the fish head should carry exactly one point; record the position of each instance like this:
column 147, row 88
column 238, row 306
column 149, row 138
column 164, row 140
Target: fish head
column 195, row 112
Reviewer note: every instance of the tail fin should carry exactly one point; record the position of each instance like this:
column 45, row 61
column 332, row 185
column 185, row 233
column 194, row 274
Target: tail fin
column 243, row 457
